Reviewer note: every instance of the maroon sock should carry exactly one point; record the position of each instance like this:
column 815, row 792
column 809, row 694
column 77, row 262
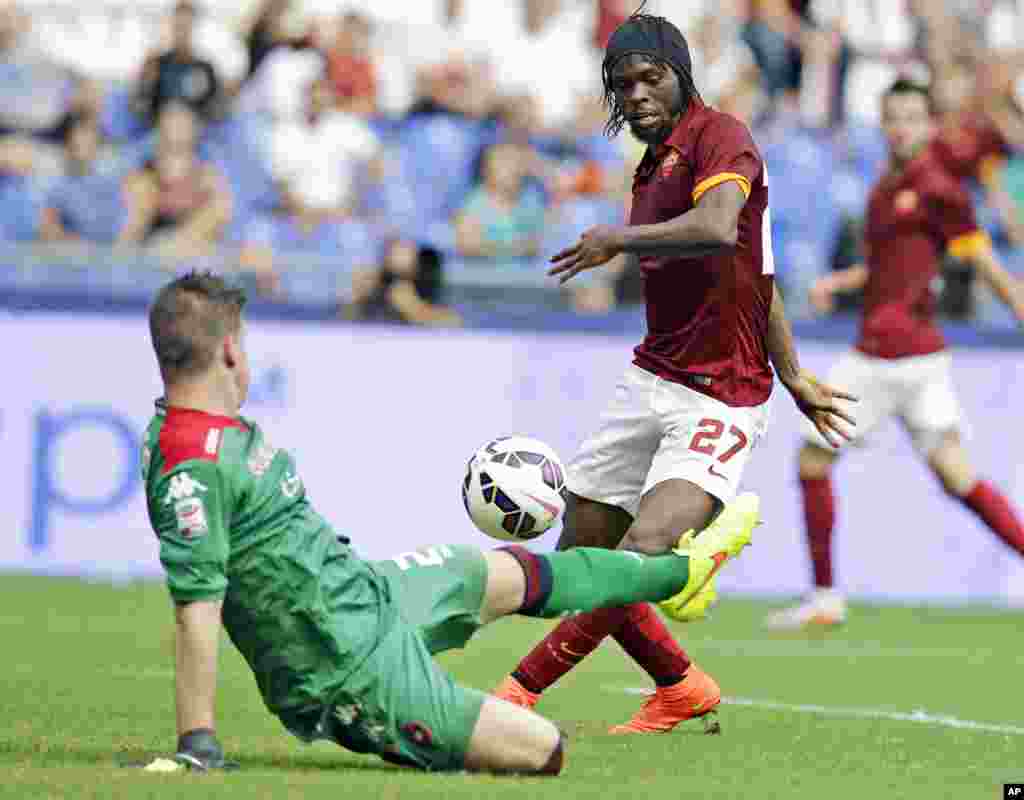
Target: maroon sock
column 566, row 646
column 995, row 511
column 819, row 517
column 648, row 642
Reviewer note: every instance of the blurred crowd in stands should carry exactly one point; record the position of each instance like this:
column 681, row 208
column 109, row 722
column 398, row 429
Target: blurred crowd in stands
column 396, row 141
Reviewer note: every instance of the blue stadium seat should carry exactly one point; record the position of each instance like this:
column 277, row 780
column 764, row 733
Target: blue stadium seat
column 804, row 261
column 390, row 204
column 21, row 209
column 238, row 146
column 864, row 147
column 117, row 119
column 805, row 225
column 443, row 151
column 91, row 206
column 600, row 148
column 849, row 192
column 571, row 218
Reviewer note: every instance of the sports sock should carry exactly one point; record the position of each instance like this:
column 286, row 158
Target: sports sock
column 819, row 518
column 586, row 578
column 571, row 641
column 647, row 640
column 995, row 511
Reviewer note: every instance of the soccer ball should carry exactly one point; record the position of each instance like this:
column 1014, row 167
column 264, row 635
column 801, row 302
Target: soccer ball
column 514, row 488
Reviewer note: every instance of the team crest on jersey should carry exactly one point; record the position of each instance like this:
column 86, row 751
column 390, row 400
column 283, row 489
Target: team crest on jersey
column 182, row 486
column 259, row 461
column 668, row 165
column 905, row 201
column 191, row 516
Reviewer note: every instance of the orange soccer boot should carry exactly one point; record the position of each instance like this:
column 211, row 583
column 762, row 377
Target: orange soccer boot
column 696, row 695
column 512, row 691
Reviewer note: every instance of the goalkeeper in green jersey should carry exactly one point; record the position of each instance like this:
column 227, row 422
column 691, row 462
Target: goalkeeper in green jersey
column 341, row 647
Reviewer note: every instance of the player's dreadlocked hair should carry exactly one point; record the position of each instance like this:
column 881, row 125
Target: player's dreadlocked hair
column 655, row 38
column 189, row 318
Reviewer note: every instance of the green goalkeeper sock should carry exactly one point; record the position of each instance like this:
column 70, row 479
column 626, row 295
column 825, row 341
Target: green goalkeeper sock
column 588, row 577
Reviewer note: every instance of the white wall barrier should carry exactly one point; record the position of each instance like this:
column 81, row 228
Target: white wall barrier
column 383, row 420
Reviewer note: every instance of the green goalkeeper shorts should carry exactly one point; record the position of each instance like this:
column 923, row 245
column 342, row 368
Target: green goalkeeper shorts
column 399, row 703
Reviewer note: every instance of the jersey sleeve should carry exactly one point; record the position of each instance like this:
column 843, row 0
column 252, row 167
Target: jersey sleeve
column 190, row 515
column 725, row 152
column 955, row 222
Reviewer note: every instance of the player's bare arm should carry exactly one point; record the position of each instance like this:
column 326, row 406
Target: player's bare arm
column 197, row 634
column 710, row 227
column 825, row 289
column 815, row 400
column 1007, row 288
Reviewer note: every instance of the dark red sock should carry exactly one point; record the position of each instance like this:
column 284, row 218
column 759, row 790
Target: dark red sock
column 648, row 642
column 820, row 518
column 995, row 511
column 566, row 646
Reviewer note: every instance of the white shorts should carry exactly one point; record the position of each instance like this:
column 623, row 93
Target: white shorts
column 654, row 431
column 918, row 390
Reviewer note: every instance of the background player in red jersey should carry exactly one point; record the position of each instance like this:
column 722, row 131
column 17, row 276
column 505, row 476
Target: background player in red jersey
column 975, row 122
column 671, row 447
column 900, row 366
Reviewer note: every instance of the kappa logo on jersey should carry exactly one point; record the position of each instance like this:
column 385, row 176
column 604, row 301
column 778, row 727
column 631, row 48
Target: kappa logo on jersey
column 259, row 462
column 182, row 485
column 191, row 516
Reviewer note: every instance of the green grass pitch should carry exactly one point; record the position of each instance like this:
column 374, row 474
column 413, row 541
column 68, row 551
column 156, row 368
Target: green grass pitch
column 884, row 708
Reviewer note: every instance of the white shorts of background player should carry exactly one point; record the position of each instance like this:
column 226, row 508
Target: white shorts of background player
column 917, row 390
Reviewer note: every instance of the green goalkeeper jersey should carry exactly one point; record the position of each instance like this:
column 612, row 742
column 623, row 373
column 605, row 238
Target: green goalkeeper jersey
column 234, row 522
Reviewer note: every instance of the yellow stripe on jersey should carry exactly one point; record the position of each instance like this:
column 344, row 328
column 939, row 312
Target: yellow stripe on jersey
column 988, row 169
column 970, row 244
column 717, row 180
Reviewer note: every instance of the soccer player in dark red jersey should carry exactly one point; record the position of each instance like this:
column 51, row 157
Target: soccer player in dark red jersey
column 900, row 366
column 971, row 136
column 672, row 445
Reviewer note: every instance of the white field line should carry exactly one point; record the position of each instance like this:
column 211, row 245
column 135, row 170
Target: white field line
column 837, row 649
column 919, row 716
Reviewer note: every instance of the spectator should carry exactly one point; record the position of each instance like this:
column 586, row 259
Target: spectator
column 594, row 167
column 268, row 31
column 501, row 219
column 318, row 160
column 271, row 90
column 553, row 59
column 349, row 66
column 461, row 85
column 85, row 203
column 34, row 91
column 179, row 73
column 610, row 15
column 406, row 288
column 175, row 201
column 722, row 62
column 769, row 31
column 968, row 143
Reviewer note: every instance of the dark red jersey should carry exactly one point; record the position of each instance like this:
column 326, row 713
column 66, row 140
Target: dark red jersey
column 971, row 149
column 913, row 218
column 707, row 318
